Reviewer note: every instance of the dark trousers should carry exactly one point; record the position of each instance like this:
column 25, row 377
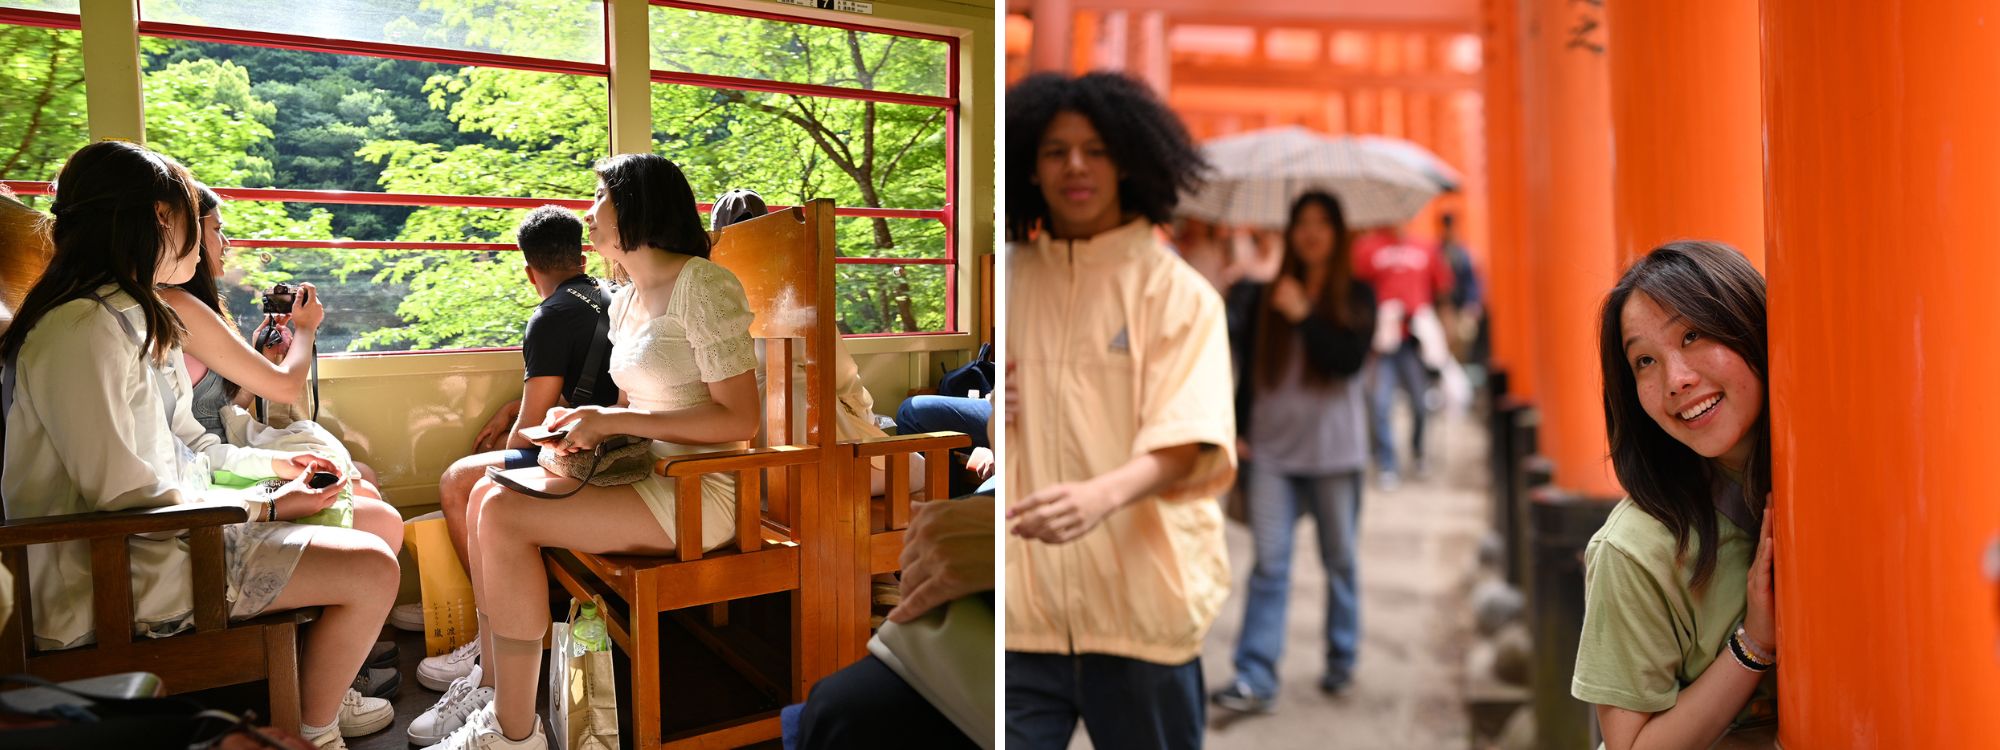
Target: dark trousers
column 868, row 705
column 1124, row 703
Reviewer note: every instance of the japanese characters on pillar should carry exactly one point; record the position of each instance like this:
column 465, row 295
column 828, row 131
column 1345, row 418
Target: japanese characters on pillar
column 1569, row 231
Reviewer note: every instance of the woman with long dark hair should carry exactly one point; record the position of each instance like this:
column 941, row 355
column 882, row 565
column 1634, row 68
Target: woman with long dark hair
column 1679, row 646
column 1304, row 429
column 681, row 354
column 99, row 420
column 221, row 364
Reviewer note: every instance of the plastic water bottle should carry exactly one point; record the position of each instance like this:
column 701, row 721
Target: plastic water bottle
column 588, row 631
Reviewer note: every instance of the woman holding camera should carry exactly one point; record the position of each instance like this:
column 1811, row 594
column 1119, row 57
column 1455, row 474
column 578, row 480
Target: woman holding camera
column 222, row 366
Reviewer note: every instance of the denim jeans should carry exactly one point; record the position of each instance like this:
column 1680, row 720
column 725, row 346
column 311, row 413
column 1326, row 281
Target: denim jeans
column 1124, row 703
column 938, row 413
column 941, row 413
column 1403, row 368
column 1275, row 502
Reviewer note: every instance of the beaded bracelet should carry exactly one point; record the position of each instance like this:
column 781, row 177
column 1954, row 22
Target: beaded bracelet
column 1755, row 649
column 1743, row 657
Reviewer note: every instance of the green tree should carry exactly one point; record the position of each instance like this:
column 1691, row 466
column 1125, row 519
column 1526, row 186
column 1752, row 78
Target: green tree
column 42, row 116
column 549, row 128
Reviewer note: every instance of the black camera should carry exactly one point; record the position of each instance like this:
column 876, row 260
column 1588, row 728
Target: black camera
column 278, row 301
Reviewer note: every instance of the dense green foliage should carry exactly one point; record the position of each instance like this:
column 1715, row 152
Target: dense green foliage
column 243, row 116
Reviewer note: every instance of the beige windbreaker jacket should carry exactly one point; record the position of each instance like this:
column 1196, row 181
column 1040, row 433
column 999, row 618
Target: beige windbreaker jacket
column 1117, row 348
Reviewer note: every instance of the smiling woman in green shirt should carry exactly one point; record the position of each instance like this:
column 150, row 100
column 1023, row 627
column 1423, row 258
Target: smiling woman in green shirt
column 1679, row 647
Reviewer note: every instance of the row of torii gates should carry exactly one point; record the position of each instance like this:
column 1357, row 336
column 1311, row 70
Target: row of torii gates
column 1852, row 151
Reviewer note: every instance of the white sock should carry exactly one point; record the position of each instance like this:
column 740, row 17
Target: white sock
column 311, row 731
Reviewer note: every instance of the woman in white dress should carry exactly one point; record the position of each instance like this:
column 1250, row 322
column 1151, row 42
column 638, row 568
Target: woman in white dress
column 681, row 354
column 99, row 420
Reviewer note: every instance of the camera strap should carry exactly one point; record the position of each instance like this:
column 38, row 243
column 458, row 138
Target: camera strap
column 312, row 377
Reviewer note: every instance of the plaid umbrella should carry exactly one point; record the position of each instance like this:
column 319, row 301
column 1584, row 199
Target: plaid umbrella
column 1257, row 175
column 1414, row 155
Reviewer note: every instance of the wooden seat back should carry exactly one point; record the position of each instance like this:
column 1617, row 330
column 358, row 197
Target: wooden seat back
column 785, row 262
column 24, row 253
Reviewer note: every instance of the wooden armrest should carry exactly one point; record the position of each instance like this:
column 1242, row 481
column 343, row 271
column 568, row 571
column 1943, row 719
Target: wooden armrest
column 748, row 465
column 77, row 526
column 912, row 443
column 695, row 464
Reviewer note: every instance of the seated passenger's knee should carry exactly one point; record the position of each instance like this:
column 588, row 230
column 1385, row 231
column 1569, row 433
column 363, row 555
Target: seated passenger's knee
column 365, row 560
column 498, row 514
column 459, row 478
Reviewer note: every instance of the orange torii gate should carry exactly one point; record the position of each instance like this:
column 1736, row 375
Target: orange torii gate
column 1872, row 223
column 1339, row 67
column 1882, row 135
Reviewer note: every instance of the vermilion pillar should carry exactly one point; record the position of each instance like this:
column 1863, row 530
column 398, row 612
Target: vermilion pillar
column 1882, row 135
column 1568, row 170
column 1687, row 162
column 1050, row 50
column 1507, row 285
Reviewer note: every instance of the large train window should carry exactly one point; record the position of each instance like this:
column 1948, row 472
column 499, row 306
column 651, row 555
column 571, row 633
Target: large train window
column 802, row 109
column 383, row 149
column 43, row 112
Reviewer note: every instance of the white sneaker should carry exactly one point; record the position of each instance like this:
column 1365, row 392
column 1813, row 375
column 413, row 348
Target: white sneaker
column 361, row 715
column 480, row 718
column 439, row 672
column 329, row 741
column 407, row 617
column 486, row 735
column 490, row 738
column 462, row 701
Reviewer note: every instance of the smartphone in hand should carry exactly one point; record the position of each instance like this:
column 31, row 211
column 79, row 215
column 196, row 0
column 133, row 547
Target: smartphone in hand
column 540, row 434
column 320, row 480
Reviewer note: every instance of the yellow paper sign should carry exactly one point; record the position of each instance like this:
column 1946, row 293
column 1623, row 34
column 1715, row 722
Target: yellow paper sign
column 450, row 617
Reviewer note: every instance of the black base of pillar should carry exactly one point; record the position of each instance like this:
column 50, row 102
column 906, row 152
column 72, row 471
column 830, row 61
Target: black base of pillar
column 1560, row 525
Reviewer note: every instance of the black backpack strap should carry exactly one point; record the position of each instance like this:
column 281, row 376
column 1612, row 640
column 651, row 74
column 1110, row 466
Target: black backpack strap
column 586, row 384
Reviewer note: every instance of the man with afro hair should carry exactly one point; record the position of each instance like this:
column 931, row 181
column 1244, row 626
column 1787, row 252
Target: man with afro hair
column 1121, row 429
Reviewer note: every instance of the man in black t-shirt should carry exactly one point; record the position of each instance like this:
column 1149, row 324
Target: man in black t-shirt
column 559, row 336
column 555, row 349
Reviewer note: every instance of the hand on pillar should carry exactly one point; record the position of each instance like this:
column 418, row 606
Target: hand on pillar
column 1760, row 622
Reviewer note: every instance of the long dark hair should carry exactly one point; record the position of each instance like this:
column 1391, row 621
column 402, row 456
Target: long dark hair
column 653, row 203
column 1275, row 345
column 203, row 286
column 1720, row 295
column 106, row 231
column 1156, row 159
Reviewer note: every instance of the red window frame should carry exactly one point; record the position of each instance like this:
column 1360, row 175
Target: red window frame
column 949, row 102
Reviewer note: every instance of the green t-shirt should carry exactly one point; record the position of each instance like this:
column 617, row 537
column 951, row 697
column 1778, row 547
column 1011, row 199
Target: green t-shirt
column 1646, row 632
